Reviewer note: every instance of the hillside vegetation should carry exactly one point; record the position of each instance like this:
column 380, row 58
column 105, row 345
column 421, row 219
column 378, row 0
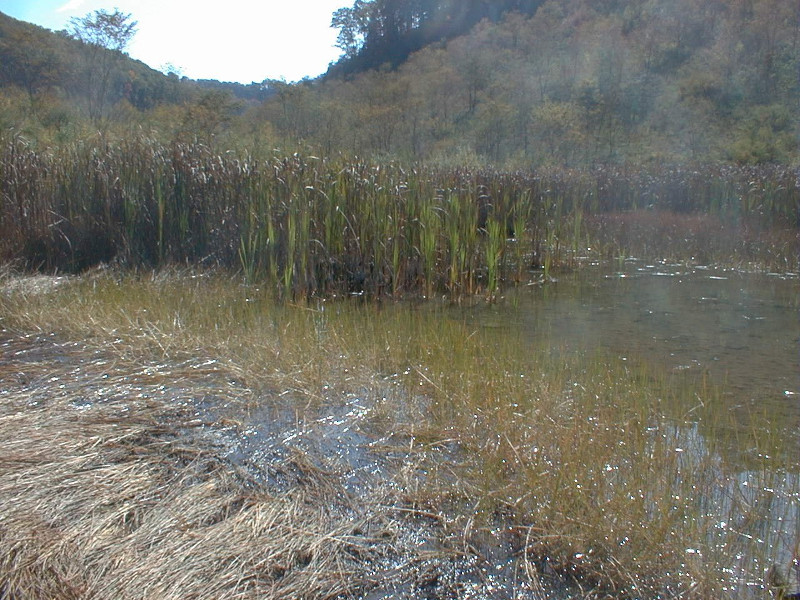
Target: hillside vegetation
column 49, row 90
column 515, row 84
column 577, row 82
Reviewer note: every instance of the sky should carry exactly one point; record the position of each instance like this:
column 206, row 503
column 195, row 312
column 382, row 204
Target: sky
column 243, row 41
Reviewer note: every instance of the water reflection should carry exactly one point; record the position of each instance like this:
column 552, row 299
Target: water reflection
column 755, row 517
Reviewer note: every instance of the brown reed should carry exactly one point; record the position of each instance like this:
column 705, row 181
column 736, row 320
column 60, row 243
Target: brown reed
column 308, row 226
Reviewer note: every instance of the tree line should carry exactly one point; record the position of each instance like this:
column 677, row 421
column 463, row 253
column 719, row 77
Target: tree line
column 376, row 32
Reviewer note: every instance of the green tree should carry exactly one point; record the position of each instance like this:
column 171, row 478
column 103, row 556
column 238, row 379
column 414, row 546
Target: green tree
column 106, row 35
column 209, row 116
column 352, row 24
column 28, row 61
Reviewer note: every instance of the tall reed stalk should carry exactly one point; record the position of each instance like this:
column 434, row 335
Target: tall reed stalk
column 494, row 250
column 311, row 226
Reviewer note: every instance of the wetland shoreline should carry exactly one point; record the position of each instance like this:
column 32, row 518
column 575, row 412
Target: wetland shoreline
column 157, row 444
column 127, row 481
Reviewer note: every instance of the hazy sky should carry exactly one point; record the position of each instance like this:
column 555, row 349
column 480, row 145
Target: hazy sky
column 231, row 40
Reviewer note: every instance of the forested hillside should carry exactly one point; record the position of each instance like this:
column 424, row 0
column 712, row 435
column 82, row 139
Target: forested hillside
column 373, row 33
column 55, row 86
column 513, row 83
column 567, row 82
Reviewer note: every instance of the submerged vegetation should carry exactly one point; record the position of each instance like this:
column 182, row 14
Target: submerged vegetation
column 587, row 472
column 315, row 227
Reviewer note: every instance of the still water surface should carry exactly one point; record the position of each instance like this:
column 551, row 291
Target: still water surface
column 740, row 330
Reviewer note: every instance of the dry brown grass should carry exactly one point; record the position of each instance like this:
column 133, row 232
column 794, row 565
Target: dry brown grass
column 110, row 490
column 116, row 483
column 697, row 238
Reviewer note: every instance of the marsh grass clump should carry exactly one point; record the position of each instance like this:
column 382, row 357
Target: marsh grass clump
column 609, row 474
column 109, row 491
column 597, row 465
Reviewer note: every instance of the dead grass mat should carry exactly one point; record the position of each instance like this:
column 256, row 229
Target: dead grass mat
column 119, row 497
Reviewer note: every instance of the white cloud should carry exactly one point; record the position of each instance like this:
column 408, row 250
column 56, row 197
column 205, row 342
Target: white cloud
column 248, row 41
column 70, row 6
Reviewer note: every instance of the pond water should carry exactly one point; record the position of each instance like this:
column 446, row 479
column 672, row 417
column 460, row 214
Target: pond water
column 739, row 330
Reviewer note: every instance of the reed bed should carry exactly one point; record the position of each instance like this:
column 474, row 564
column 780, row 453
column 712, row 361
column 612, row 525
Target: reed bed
column 305, row 226
column 600, row 473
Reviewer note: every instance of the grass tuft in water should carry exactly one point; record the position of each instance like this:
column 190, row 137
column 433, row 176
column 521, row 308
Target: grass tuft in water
column 609, row 473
